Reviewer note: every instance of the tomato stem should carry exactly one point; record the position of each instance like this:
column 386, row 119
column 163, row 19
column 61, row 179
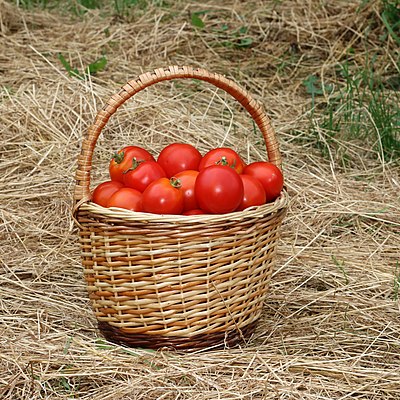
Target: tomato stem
column 175, row 182
column 222, row 161
column 118, row 157
column 135, row 164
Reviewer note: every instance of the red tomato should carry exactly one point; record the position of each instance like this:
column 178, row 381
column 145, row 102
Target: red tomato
column 163, row 196
column 222, row 156
column 254, row 193
column 197, row 211
column 218, row 189
column 178, row 157
column 122, row 160
column 128, row 198
column 104, row 191
column 270, row 177
column 188, row 179
column 142, row 174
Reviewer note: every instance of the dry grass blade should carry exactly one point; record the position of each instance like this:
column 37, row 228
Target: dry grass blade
column 330, row 328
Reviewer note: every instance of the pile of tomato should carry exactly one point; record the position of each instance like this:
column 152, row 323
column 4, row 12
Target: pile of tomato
column 183, row 181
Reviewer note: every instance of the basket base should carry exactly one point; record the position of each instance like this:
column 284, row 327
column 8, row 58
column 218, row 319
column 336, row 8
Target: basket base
column 155, row 342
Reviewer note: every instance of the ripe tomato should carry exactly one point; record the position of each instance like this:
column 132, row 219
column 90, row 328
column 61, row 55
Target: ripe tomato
column 254, row 193
column 196, row 211
column 178, row 157
column 163, row 196
column 142, row 174
column 222, row 156
column 122, row 160
column 188, row 179
column 104, row 191
column 218, row 189
column 128, row 198
column 270, row 177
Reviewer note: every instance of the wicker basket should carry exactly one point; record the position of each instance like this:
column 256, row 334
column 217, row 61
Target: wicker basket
column 182, row 282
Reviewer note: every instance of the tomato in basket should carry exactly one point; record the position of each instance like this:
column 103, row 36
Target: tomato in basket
column 253, row 192
column 188, row 180
column 128, row 198
column 123, row 159
column 141, row 174
column 196, row 211
column 181, row 181
column 218, row 189
column 102, row 192
column 222, row 156
column 178, row 157
column 270, row 177
column 163, row 196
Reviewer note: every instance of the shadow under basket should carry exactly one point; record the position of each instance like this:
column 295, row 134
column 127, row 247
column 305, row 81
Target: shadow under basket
column 173, row 281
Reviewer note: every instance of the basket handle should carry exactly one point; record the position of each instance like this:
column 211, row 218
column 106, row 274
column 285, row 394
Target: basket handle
column 255, row 109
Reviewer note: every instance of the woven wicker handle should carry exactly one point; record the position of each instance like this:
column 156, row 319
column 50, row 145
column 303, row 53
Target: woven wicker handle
column 82, row 188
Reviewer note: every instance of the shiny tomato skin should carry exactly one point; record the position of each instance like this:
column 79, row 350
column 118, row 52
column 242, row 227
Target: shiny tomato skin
column 222, row 156
column 130, row 199
column 196, row 211
column 218, row 189
column 188, row 180
column 270, row 177
column 253, row 192
column 104, row 191
column 142, row 174
column 123, row 159
column 163, row 196
column 178, row 157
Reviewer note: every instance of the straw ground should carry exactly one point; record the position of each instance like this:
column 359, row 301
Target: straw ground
column 331, row 325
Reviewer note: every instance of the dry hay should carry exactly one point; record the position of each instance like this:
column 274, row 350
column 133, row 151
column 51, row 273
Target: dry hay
column 331, row 324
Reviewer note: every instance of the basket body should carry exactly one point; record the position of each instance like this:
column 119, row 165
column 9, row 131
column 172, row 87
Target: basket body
column 179, row 282
column 185, row 282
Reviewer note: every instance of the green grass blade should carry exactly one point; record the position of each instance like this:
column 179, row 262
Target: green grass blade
column 97, row 66
column 197, row 21
column 389, row 28
column 71, row 71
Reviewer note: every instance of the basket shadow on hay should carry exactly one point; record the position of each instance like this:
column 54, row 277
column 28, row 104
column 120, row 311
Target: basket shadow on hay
column 174, row 281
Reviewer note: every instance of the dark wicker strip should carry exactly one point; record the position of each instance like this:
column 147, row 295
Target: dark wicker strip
column 156, row 342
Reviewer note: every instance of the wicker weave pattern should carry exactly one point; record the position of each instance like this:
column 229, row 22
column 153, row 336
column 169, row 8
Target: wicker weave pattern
column 178, row 279
column 185, row 281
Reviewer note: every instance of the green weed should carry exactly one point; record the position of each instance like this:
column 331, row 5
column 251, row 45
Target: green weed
column 77, row 7
column 314, row 87
column 288, row 60
column 391, row 18
column 104, row 345
column 364, row 105
column 360, row 109
column 195, row 19
column 6, row 91
column 91, row 69
column 238, row 38
column 32, row 3
column 65, row 385
column 223, row 35
column 123, row 8
column 67, row 344
column 340, row 265
column 120, row 8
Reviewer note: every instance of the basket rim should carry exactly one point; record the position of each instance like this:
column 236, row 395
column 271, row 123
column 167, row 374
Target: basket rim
column 133, row 216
